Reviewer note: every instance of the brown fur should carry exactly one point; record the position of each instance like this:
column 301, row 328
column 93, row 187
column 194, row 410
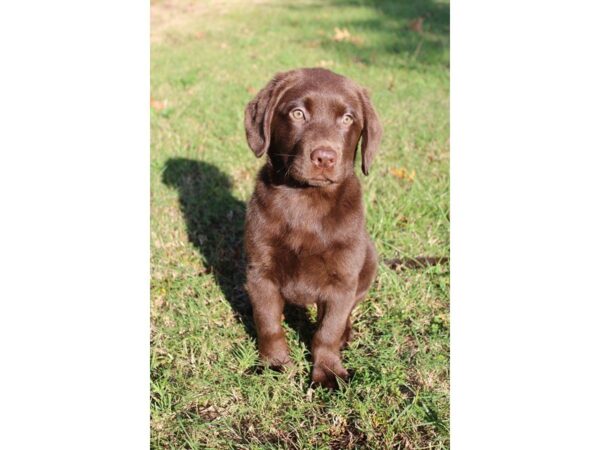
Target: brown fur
column 305, row 233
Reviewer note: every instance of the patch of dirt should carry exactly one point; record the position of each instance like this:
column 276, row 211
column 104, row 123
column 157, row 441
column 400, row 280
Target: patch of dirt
column 169, row 14
column 176, row 15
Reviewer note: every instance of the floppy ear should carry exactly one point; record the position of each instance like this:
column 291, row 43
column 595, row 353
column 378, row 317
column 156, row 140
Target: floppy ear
column 259, row 113
column 371, row 132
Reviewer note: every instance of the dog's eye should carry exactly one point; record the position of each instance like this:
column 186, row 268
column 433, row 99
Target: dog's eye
column 347, row 119
column 297, row 114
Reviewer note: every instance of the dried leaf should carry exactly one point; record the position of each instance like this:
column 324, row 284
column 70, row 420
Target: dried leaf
column 416, row 25
column 324, row 63
column 342, row 34
column 208, row 413
column 157, row 105
column 403, row 173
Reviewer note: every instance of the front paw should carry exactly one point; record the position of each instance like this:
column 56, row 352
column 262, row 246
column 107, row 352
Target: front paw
column 275, row 355
column 327, row 371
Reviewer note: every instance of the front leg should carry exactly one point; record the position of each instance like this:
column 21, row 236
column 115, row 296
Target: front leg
column 334, row 315
column 348, row 333
column 267, row 309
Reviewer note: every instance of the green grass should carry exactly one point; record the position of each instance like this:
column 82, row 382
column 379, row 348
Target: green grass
column 206, row 391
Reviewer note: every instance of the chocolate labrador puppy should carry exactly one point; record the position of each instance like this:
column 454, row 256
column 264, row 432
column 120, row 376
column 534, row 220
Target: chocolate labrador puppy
column 305, row 234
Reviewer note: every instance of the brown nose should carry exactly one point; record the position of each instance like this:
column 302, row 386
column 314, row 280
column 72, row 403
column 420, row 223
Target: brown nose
column 323, row 157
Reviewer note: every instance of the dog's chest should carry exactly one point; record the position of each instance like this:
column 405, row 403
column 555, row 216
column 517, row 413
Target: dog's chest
column 307, row 231
column 304, row 276
column 309, row 260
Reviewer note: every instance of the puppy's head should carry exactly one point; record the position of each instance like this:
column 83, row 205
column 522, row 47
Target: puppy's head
column 309, row 122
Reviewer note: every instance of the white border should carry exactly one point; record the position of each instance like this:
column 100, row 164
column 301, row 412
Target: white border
column 74, row 232
column 525, row 224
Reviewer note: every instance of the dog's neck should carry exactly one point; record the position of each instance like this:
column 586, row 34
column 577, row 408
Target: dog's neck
column 279, row 178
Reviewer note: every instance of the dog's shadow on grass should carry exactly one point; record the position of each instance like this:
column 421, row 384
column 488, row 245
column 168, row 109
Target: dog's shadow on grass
column 215, row 226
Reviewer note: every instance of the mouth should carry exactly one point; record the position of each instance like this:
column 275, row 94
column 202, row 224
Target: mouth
column 312, row 178
column 320, row 181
